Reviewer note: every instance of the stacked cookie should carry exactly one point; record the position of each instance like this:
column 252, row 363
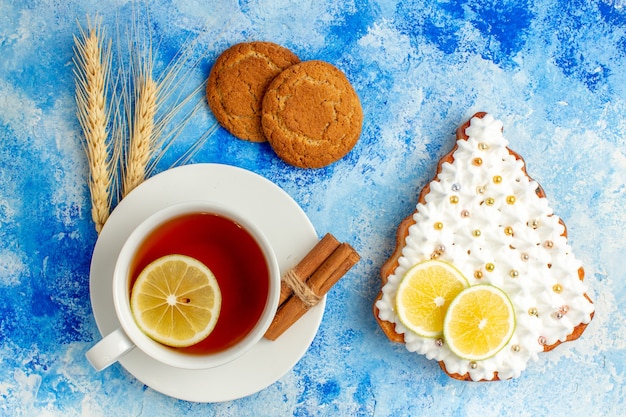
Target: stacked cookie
column 307, row 111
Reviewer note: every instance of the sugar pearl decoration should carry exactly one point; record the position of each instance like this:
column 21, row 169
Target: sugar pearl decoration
column 490, row 267
column 439, row 342
column 508, row 231
column 557, row 288
column 438, row 225
column 534, row 224
column 455, row 187
column 477, row 161
column 483, row 146
column 514, row 273
column 473, row 365
column 478, row 274
column 548, row 244
column 490, row 201
column 510, row 199
column 454, row 199
column 480, row 190
column 542, row 340
column 497, row 179
column 516, row 348
column 465, row 213
column 525, row 257
column 533, row 311
column 476, row 233
column 439, row 250
column 561, row 312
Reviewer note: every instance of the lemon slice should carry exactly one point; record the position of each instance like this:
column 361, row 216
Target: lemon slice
column 479, row 323
column 176, row 300
column 424, row 295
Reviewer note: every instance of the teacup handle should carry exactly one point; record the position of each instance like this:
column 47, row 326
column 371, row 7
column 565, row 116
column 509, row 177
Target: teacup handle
column 109, row 350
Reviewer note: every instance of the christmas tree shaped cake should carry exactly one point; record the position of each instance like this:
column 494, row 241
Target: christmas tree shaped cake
column 482, row 278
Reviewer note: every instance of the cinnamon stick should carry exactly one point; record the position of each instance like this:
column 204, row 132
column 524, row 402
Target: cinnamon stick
column 321, row 281
column 310, row 263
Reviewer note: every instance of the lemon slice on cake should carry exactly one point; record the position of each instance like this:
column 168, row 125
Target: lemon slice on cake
column 424, row 294
column 176, row 300
column 480, row 321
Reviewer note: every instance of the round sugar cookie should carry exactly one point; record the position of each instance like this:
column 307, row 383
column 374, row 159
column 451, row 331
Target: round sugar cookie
column 312, row 116
column 238, row 81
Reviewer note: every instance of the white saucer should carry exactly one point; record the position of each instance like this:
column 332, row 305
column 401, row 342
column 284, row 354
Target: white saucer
column 285, row 225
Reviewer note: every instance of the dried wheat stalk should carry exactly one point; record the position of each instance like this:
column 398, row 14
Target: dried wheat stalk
column 142, row 141
column 157, row 112
column 92, row 65
column 140, row 133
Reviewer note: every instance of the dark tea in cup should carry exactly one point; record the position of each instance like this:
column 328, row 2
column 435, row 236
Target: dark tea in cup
column 239, row 256
column 234, row 257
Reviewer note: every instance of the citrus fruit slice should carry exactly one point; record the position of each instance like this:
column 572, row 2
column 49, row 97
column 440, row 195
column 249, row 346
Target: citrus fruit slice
column 424, row 294
column 176, row 300
column 479, row 323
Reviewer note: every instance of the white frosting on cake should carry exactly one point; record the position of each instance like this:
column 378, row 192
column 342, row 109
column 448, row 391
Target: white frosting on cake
column 484, row 211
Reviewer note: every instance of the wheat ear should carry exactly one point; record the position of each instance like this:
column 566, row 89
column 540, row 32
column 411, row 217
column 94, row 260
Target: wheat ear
column 141, row 145
column 92, row 65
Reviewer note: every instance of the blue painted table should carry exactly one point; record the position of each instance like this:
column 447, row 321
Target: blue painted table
column 552, row 70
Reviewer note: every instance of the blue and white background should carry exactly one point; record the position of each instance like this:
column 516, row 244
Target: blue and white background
column 553, row 70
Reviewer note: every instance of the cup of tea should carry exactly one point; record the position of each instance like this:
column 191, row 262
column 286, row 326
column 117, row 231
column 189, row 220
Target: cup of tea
column 242, row 261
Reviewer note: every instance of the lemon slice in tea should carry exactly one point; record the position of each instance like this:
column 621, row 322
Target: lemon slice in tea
column 479, row 323
column 176, row 300
column 424, row 295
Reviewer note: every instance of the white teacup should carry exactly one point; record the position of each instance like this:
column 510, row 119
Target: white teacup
column 128, row 336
